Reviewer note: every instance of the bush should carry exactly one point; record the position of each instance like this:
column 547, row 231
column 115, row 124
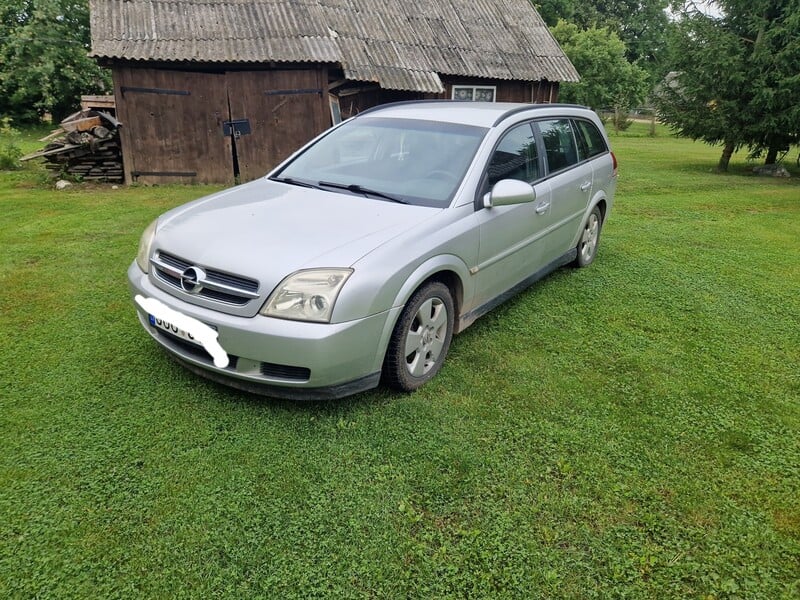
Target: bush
column 621, row 121
column 10, row 153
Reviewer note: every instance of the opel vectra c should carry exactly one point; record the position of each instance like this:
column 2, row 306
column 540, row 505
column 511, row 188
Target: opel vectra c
column 357, row 259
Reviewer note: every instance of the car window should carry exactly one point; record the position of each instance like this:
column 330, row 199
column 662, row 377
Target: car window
column 516, row 156
column 590, row 140
column 559, row 144
column 415, row 161
column 357, row 145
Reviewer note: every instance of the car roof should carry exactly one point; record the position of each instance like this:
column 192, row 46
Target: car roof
column 482, row 114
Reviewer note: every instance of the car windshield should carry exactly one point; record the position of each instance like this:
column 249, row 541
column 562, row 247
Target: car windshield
column 404, row 160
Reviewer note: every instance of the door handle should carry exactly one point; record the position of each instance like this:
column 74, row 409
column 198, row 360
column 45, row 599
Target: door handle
column 585, row 187
column 542, row 208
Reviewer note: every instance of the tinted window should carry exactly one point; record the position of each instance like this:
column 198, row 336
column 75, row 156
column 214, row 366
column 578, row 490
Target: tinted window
column 516, row 156
column 559, row 144
column 590, row 139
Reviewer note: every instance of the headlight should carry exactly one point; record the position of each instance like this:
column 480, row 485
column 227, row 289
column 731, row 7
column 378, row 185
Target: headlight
column 143, row 256
column 307, row 295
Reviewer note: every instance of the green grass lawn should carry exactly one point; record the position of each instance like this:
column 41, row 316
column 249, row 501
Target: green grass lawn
column 631, row 430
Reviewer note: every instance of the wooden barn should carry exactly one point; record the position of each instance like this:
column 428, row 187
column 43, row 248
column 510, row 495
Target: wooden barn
column 222, row 90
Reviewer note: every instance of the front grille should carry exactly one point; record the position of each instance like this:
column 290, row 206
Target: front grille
column 217, row 286
column 285, row 372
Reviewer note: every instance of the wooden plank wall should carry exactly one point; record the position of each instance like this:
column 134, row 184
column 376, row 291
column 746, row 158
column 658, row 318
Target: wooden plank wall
column 172, row 126
column 286, row 108
column 173, row 121
column 544, row 92
column 507, row 91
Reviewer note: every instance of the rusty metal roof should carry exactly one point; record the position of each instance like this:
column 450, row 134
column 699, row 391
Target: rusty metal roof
column 401, row 45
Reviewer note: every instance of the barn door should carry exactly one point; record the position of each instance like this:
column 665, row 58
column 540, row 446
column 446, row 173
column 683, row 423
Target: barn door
column 190, row 127
column 282, row 110
column 172, row 126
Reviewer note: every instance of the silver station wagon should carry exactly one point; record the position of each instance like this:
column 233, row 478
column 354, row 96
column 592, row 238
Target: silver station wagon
column 357, row 259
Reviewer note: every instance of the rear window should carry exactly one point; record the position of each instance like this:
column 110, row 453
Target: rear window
column 590, row 140
column 559, row 144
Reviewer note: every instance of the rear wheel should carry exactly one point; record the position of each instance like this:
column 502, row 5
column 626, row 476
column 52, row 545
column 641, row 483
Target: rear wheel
column 421, row 338
column 590, row 238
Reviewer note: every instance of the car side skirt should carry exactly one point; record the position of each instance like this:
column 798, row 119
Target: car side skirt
column 469, row 318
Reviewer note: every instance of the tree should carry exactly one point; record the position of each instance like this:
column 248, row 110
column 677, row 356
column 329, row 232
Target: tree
column 607, row 78
column 736, row 78
column 44, row 62
column 772, row 30
column 700, row 99
column 642, row 25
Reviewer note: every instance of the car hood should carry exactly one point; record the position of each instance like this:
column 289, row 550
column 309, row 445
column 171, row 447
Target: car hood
column 266, row 230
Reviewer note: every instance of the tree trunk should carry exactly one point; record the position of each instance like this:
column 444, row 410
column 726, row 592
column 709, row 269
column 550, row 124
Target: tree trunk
column 727, row 152
column 772, row 155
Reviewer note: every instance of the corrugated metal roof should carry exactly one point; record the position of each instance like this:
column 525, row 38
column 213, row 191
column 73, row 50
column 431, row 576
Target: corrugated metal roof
column 399, row 44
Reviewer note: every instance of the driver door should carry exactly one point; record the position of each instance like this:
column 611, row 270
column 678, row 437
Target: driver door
column 512, row 244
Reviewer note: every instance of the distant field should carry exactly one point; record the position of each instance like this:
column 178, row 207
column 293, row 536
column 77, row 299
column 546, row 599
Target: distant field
column 631, row 430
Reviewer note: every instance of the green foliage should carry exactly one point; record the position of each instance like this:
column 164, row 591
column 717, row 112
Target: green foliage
column 642, row 25
column 736, row 76
column 621, row 121
column 44, row 62
column 607, row 78
column 631, row 430
column 10, row 152
column 702, row 98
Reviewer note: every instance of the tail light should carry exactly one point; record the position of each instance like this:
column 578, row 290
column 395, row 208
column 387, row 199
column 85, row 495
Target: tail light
column 614, row 164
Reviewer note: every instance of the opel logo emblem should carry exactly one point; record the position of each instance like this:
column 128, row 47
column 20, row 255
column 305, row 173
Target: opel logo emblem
column 192, row 280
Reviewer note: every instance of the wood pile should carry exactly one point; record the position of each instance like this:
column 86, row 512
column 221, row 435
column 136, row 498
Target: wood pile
column 85, row 146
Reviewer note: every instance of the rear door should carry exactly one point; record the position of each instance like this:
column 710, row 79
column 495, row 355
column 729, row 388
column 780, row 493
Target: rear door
column 570, row 179
column 593, row 147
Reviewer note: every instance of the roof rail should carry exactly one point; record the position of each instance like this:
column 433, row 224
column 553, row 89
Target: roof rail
column 514, row 111
column 523, row 107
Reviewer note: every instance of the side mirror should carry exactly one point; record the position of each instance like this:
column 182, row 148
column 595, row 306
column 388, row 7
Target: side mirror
column 509, row 191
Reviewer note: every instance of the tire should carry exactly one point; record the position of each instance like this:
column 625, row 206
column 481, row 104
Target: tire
column 590, row 239
column 421, row 338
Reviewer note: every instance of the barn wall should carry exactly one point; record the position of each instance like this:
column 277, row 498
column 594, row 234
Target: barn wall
column 285, row 109
column 173, row 120
column 351, row 104
column 543, row 92
column 173, row 115
column 172, row 123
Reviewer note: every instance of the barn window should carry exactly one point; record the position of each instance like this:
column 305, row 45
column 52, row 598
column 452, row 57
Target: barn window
column 475, row 93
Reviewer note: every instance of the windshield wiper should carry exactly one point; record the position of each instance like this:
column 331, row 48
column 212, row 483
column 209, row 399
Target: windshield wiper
column 358, row 189
column 297, row 182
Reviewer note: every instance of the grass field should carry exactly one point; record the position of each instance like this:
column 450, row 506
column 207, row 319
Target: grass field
column 631, row 430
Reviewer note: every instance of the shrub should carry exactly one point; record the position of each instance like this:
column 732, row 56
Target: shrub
column 10, row 153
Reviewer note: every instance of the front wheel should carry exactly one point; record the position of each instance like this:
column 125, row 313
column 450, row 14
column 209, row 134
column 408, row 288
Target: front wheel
column 590, row 238
column 421, row 338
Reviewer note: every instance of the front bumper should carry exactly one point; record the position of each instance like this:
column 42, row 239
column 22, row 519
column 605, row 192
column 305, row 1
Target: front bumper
column 277, row 357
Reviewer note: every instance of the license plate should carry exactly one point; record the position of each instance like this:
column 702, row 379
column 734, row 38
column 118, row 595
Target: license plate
column 184, row 327
column 170, row 328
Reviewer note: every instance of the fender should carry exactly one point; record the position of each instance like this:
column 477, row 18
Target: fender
column 426, row 270
column 600, row 196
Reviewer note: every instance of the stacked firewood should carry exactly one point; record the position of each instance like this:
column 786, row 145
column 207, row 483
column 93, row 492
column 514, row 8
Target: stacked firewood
column 85, row 146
